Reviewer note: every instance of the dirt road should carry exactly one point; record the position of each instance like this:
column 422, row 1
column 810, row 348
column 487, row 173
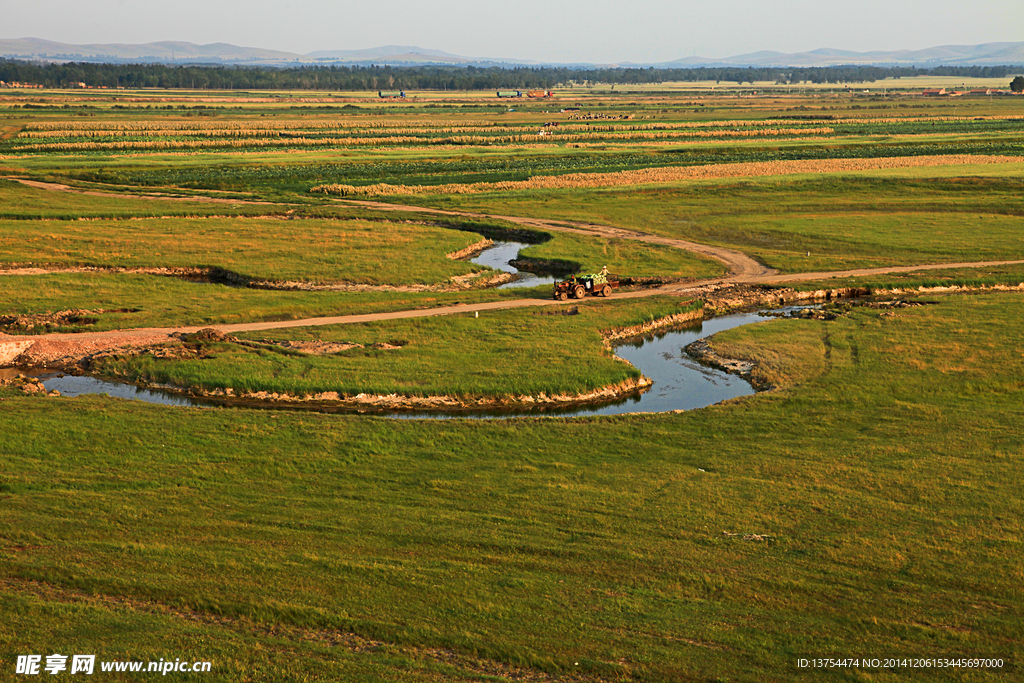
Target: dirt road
column 742, row 270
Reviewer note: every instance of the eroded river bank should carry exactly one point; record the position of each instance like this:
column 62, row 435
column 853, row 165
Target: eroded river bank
column 677, row 381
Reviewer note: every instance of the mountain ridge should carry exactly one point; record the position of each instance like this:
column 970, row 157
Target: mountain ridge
column 174, row 52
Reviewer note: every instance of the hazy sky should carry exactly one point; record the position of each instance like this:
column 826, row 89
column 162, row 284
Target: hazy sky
column 545, row 30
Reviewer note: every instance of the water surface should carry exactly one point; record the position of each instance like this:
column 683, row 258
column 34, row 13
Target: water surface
column 498, row 257
column 680, row 382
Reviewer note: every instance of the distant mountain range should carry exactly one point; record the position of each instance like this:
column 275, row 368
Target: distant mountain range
column 988, row 54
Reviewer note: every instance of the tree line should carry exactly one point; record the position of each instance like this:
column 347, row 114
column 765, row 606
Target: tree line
column 374, row 77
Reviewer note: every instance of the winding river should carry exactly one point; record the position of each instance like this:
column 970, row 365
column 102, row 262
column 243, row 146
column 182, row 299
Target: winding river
column 679, row 381
column 498, row 257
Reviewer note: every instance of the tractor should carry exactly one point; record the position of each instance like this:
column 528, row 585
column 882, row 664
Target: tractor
column 578, row 286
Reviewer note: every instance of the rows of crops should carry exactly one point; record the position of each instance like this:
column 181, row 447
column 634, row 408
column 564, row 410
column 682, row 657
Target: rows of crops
column 661, row 175
column 441, row 170
column 41, row 129
column 71, row 137
column 154, row 142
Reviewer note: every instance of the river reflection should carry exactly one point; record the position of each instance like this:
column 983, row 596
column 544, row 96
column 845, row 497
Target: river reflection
column 500, row 254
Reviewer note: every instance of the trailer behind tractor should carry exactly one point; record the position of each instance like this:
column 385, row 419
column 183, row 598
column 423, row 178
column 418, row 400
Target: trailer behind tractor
column 578, row 286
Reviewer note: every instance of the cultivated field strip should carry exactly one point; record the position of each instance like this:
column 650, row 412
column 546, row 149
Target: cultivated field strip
column 55, row 128
column 259, row 139
column 548, row 130
column 669, row 174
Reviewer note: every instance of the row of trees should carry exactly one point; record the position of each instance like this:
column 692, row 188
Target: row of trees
column 353, row 78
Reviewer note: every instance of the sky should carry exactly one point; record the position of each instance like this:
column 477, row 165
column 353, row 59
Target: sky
column 584, row 31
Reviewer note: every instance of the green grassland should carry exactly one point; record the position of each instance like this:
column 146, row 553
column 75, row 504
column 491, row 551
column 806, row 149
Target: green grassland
column 423, row 151
column 130, row 301
column 989, row 276
column 881, row 481
column 869, row 507
column 623, row 257
column 499, row 354
column 287, row 176
column 847, row 220
column 273, row 249
column 20, row 202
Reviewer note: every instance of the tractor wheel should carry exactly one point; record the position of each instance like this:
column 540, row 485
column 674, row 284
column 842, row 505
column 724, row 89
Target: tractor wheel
column 562, row 296
column 606, row 291
column 579, row 292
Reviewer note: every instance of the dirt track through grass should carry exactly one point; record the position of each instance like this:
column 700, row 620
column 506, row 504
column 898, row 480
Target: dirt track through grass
column 742, row 270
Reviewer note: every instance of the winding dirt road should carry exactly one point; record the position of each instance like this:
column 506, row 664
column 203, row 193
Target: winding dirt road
column 742, row 270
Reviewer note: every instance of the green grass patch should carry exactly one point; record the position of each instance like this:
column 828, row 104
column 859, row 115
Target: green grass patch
column 308, row 250
column 625, row 258
column 869, row 507
column 521, row 352
column 21, row 202
column 987, row 276
column 844, row 221
column 152, row 301
column 882, row 484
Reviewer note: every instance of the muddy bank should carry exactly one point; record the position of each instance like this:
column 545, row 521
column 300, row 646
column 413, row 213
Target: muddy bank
column 399, row 402
column 27, row 385
column 11, row 350
column 720, row 299
column 221, row 276
column 471, row 250
column 40, row 323
column 194, row 346
column 702, row 351
column 634, row 331
column 723, row 298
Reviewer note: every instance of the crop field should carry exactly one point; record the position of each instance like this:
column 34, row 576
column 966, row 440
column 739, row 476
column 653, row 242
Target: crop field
column 866, row 506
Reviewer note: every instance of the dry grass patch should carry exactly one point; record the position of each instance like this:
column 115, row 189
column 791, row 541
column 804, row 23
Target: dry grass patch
column 670, row 174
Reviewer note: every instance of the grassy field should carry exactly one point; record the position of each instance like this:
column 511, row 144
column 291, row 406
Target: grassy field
column 502, row 353
column 129, row 301
column 943, row 277
column 844, row 221
column 626, row 257
column 280, row 243
column 853, row 512
column 273, row 249
column 20, row 202
column 867, row 508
